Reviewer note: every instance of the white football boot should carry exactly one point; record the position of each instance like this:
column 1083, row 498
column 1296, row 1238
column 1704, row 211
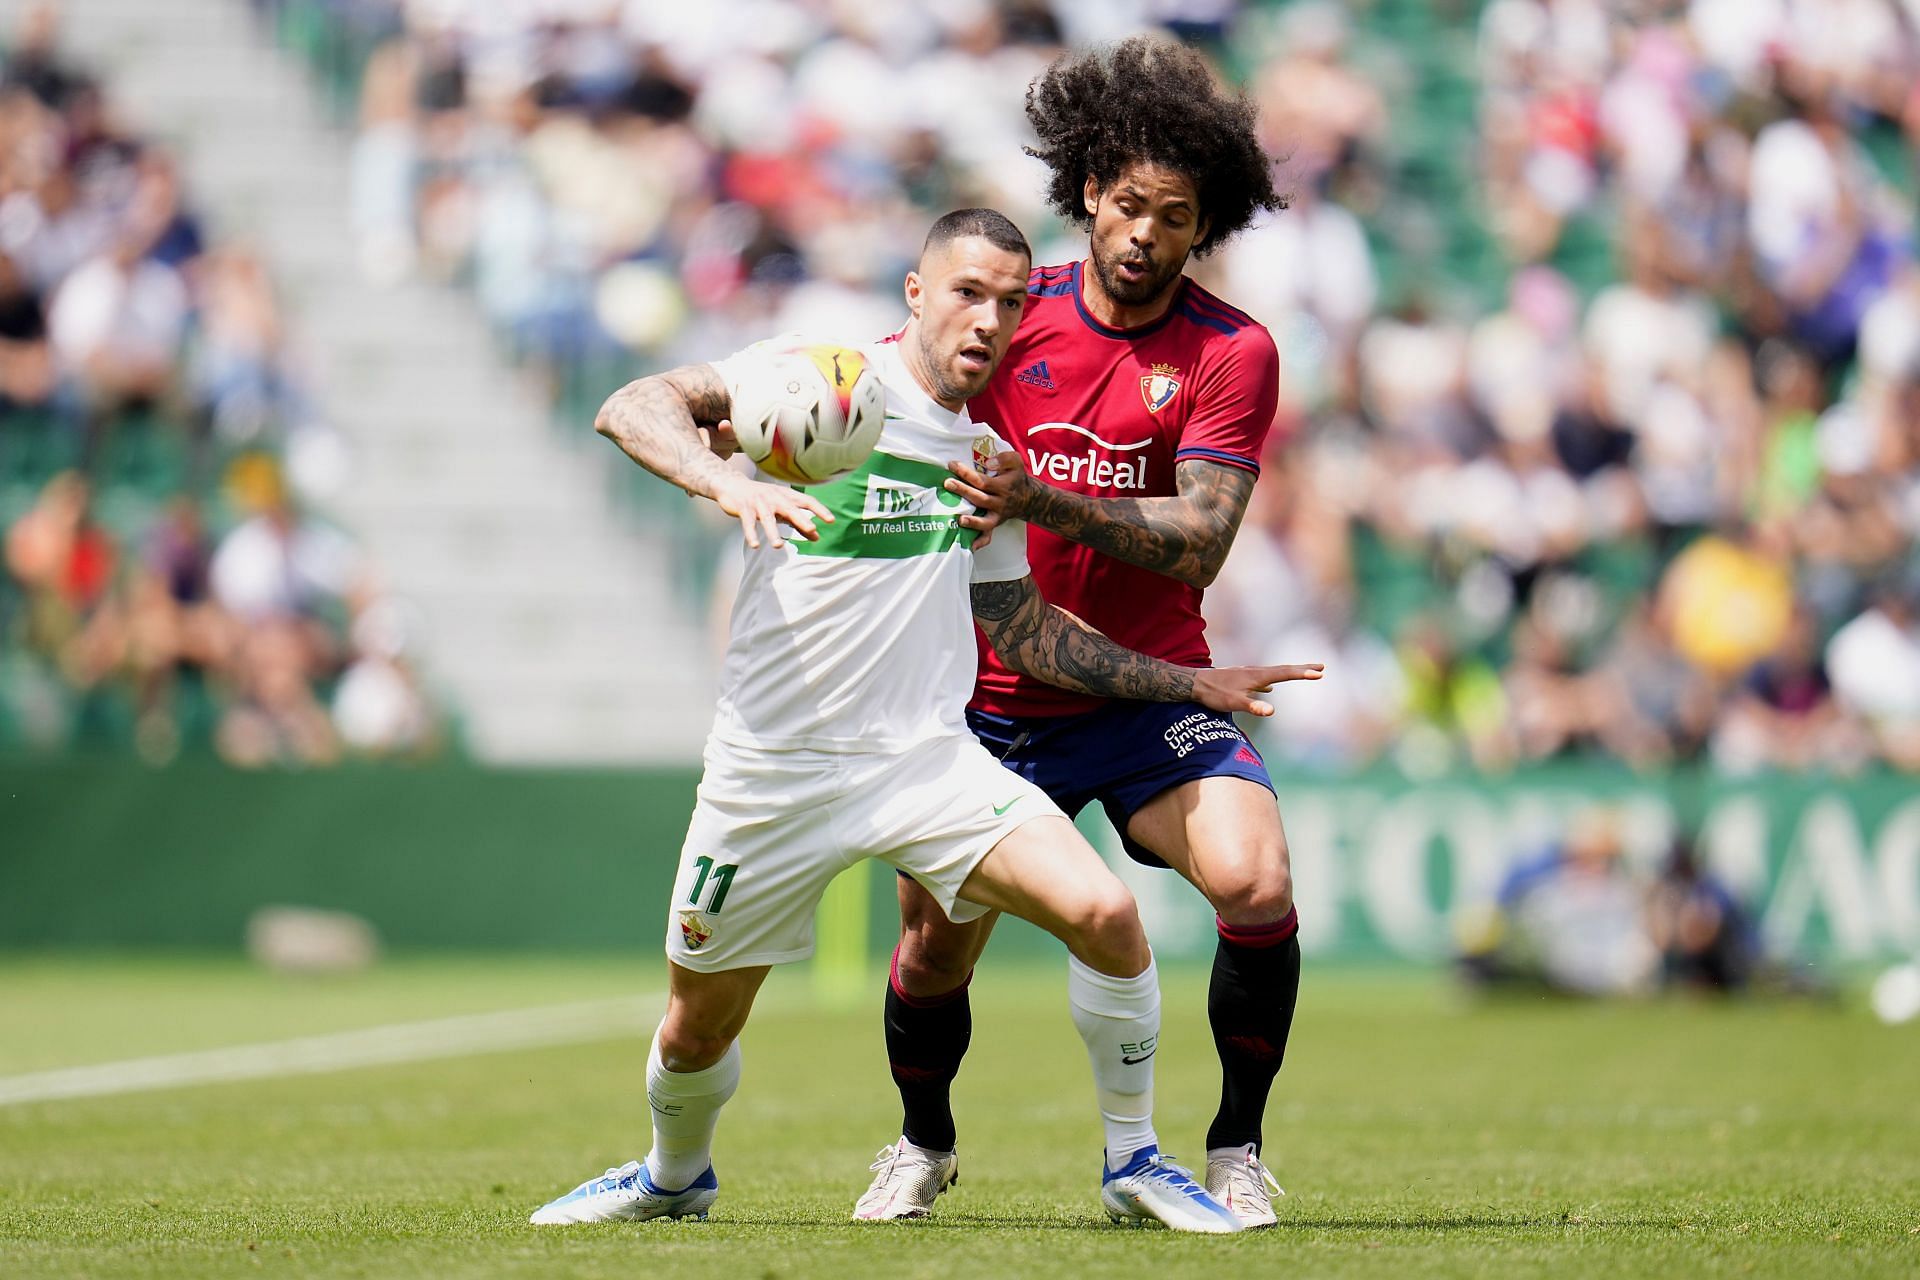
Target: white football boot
column 1237, row 1179
column 1152, row 1188
column 906, row 1181
column 627, row 1192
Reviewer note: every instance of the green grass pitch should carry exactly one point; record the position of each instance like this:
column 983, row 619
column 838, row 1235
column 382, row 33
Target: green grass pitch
column 1418, row 1135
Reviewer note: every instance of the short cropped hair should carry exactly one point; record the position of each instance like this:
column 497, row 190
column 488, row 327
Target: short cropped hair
column 991, row 225
column 1149, row 99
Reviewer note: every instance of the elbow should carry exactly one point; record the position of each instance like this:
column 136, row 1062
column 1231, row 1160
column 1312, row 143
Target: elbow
column 1205, row 566
column 606, row 422
column 1009, row 657
column 1007, row 651
column 603, row 423
column 1204, row 553
column 1201, row 574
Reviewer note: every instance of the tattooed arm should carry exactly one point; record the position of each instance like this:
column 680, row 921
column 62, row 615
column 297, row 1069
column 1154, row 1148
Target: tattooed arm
column 1050, row 644
column 665, row 423
column 1186, row 536
column 657, row 421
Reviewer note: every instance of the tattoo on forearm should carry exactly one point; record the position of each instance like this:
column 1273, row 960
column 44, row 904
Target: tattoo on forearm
column 655, row 421
column 1185, row 537
column 1050, row 644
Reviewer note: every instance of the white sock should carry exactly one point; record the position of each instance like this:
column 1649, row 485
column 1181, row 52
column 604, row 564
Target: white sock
column 1119, row 1019
column 686, row 1106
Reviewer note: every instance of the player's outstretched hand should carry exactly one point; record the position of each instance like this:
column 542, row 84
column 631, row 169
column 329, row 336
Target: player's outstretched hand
column 1231, row 689
column 1000, row 491
column 759, row 505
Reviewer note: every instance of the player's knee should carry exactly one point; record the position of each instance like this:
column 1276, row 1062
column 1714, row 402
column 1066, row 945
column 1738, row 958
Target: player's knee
column 932, row 961
column 1109, row 926
column 690, row 1048
column 1257, row 895
column 692, row 1038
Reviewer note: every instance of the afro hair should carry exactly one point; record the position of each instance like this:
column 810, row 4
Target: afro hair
column 1148, row 99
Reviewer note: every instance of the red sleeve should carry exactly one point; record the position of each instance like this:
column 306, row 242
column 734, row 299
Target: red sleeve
column 1235, row 408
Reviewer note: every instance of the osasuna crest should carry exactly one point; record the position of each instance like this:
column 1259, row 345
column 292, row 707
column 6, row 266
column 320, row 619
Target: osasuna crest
column 1160, row 386
column 695, row 930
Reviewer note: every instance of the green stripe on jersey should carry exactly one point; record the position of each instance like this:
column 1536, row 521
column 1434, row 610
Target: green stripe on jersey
column 889, row 509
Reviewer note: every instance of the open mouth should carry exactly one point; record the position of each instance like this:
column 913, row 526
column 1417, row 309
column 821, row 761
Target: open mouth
column 1134, row 269
column 976, row 358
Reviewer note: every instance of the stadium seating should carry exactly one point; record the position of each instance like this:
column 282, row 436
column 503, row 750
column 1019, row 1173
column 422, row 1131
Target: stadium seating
column 115, row 634
column 1497, row 154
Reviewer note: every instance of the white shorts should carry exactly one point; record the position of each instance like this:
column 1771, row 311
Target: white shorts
column 771, row 828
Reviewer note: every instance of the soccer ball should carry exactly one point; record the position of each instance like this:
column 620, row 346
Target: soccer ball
column 1896, row 994
column 810, row 414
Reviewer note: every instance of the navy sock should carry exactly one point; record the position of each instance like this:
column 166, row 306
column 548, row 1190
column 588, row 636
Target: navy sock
column 926, row 1039
column 1256, row 980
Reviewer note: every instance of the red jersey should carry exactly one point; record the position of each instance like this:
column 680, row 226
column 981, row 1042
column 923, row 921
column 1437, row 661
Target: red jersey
column 1108, row 412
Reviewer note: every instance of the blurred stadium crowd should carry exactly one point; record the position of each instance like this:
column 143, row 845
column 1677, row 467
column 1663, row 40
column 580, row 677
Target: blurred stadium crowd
column 1577, row 917
column 1600, row 425
column 1601, row 420
column 162, row 587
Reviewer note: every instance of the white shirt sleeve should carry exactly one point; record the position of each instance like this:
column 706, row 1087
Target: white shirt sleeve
column 1004, row 559
column 732, row 368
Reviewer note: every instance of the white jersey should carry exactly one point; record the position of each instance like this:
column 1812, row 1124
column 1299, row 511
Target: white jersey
column 863, row 641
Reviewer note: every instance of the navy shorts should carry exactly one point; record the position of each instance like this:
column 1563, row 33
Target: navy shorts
column 1123, row 755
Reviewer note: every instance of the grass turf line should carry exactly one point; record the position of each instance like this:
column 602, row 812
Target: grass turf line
column 1418, row 1135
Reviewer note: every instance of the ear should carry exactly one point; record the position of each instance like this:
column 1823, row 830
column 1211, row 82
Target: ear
column 1206, row 229
column 1090, row 196
column 915, row 293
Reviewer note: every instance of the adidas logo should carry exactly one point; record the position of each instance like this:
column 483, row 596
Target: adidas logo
column 1035, row 375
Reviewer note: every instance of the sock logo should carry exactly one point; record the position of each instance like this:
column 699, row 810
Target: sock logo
column 665, row 1108
column 1143, row 1050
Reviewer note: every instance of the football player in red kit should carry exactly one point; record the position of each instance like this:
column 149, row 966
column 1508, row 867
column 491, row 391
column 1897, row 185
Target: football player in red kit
column 1137, row 404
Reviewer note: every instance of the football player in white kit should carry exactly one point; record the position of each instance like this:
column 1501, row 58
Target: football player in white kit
column 840, row 735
